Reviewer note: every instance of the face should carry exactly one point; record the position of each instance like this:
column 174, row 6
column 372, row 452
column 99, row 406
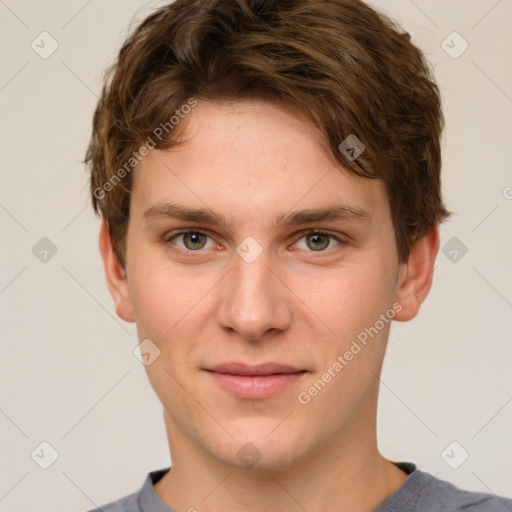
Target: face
column 258, row 265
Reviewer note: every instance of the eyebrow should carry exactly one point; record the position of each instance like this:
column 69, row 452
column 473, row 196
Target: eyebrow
column 335, row 212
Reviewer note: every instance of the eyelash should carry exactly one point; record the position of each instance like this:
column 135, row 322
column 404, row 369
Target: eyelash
column 168, row 239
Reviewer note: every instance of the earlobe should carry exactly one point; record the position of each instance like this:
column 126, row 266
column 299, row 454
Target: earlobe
column 416, row 275
column 115, row 275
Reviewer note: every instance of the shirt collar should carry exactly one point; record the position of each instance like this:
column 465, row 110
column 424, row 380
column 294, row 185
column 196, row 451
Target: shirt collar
column 150, row 502
column 148, row 499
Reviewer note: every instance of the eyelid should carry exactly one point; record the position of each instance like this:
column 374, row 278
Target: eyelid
column 173, row 234
column 338, row 236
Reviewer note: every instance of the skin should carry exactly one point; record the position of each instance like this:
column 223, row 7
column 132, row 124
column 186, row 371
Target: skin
column 301, row 302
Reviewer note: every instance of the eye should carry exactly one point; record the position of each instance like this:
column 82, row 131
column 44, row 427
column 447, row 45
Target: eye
column 318, row 241
column 192, row 240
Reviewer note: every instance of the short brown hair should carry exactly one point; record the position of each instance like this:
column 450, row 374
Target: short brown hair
column 338, row 64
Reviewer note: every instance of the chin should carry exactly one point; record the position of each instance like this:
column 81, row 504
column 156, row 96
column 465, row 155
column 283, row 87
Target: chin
column 262, row 449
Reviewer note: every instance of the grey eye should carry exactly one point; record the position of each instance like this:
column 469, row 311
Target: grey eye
column 192, row 240
column 317, row 241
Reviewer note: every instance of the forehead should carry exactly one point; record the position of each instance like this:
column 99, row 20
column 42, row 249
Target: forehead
column 250, row 160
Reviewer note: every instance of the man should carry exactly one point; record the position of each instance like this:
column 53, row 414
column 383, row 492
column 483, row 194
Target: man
column 268, row 177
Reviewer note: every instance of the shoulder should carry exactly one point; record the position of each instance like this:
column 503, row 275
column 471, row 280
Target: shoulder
column 129, row 503
column 144, row 499
column 443, row 496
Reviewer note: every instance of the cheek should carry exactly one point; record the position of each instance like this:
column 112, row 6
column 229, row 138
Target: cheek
column 345, row 300
column 166, row 299
column 173, row 310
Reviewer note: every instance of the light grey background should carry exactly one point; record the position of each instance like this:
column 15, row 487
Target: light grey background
column 68, row 373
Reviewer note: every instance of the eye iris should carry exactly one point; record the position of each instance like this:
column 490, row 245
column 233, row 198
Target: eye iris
column 195, row 240
column 316, row 238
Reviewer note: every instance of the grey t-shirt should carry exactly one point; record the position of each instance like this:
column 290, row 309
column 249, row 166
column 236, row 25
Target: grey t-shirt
column 421, row 492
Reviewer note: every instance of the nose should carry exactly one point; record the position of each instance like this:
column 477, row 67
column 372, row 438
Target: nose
column 254, row 302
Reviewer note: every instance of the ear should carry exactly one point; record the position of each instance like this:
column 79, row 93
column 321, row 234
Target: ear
column 116, row 277
column 415, row 276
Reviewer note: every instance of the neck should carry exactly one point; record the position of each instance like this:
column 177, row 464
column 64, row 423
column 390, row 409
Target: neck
column 349, row 474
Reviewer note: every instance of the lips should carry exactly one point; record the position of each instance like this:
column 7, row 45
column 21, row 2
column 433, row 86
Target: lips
column 259, row 369
column 255, row 381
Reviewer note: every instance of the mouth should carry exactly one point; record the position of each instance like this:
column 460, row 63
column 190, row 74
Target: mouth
column 255, row 381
